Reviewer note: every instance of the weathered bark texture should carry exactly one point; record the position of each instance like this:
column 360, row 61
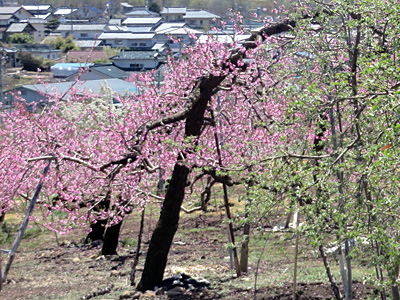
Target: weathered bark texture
column 161, row 240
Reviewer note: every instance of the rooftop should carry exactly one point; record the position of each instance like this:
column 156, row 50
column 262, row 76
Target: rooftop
column 81, row 27
column 9, row 10
column 181, row 31
column 173, row 10
column 5, row 17
column 43, row 16
column 86, row 56
column 125, row 36
column 131, row 21
column 36, row 47
column 140, row 54
column 200, row 14
column 64, row 11
column 37, row 7
column 168, row 26
column 115, row 21
column 118, row 86
column 143, row 12
column 110, row 70
column 18, row 27
column 87, row 43
column 140, row 29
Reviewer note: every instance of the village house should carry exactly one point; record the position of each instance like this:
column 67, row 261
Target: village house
column 152, row 22
column 130, row 60
column 126, row 7
column 40, row 28
column 99, row 71
column 13, row 14
column 141, row 12
column 176, row 35
column 81, row 31
column 39, row 9
column 173, row 14
column 64, row 12
column 126, row 39
column 40, row 50
column 23, row 27
column 201, row 19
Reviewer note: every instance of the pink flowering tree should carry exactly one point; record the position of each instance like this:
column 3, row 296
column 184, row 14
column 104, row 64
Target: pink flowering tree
column 305, row 111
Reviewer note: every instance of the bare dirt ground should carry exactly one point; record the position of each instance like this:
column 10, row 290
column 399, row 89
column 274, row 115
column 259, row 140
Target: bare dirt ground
column 43, row 270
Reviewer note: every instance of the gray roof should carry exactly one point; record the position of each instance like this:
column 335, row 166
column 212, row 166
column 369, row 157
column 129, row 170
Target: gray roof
column 37, row 7
column 115, row 21
column 81, row 27
column 141, row 21
column 126, row 4
column 143, row 12
column 36, row 47
column 110, row 70
column 140, row 29
column 125, row 36
column 115, row 28
column 64, row 11
column 43, row 16
column 37, row 21
column 9, row 10
column 169, row 25
column 5, row 17
column 118, row 86
column 173, row 10
column 87, row 43
column 18, row 27
column 127, row 54
column 199, row 14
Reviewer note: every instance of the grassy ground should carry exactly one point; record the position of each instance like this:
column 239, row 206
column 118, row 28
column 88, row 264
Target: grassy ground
column 44, row 270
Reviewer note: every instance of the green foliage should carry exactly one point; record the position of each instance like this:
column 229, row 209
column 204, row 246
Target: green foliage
column 154, row 7
column 65, row 44
column 107, row 50
column 33, row 63
column 51, row 25
column 21, row 38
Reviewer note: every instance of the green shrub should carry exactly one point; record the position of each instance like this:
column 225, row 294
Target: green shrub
column 33, row 63
column 21, row 38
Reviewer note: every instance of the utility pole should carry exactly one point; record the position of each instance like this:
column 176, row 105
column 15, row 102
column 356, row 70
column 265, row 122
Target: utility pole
column 72, row 26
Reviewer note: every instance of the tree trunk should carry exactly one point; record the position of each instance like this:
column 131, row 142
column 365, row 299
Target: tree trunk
column 161, row 240
column 111, row 238
column 163, row 234
column 244, row 253
column 96, row 231
column 395, row 286
column 139, row 243
column 98, row 227
column 24, row 224
column 332, row 280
